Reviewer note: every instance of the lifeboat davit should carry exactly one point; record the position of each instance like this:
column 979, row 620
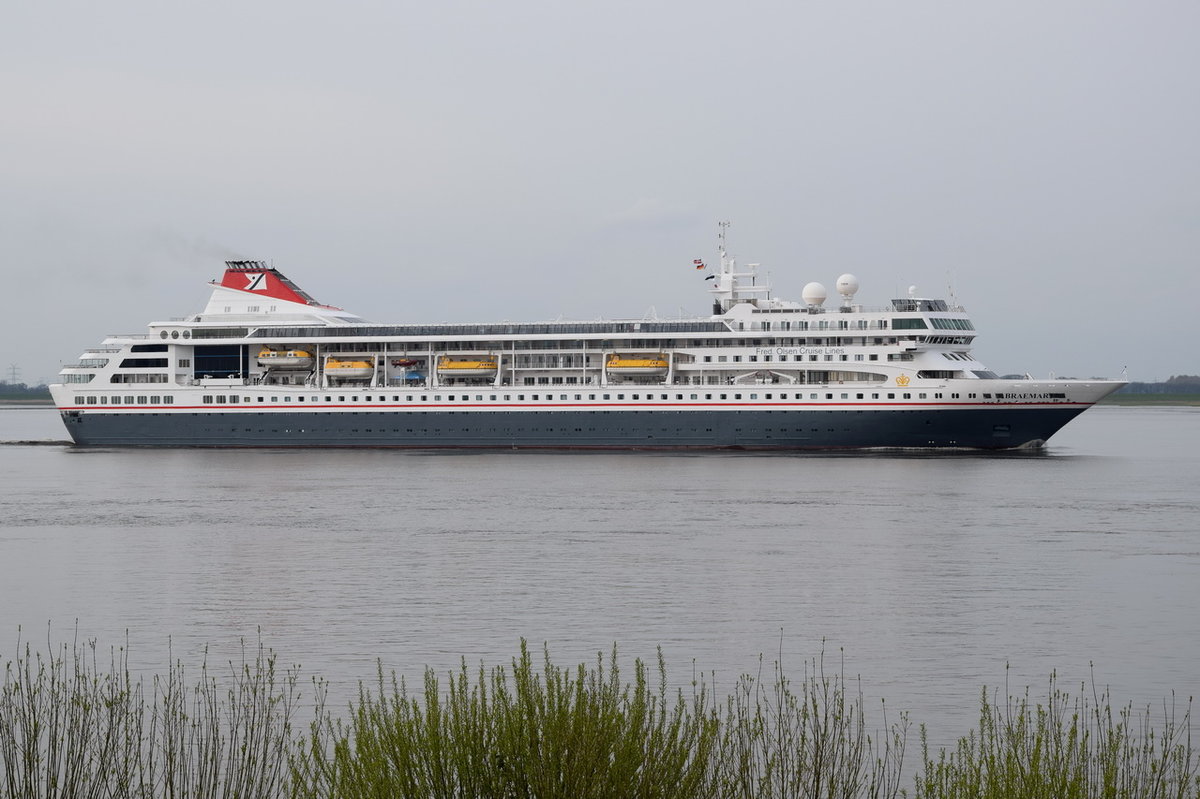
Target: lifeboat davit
column 466, row 367
column 348, row 370
column 285, row 359
column 637, row 365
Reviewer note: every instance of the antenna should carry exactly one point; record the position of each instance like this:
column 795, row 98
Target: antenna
column 721, row 238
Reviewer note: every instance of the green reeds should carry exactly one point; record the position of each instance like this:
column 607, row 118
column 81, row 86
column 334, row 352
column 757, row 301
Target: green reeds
column 1070, row 747
column 558, row 733
column 527, row 732
column 778, row 741
column 72, row 725
column 72, row 728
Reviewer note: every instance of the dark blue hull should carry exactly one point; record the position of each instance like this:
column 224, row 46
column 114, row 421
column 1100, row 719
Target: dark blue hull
column 991, row 428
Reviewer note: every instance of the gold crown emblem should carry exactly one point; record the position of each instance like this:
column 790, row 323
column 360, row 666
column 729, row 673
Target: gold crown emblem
column 902, row 380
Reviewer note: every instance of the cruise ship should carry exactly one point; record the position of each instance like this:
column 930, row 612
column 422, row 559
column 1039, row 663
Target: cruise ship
column 266, row 365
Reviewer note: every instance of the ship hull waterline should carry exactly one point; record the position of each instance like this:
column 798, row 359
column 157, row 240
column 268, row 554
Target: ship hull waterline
column 990, row 429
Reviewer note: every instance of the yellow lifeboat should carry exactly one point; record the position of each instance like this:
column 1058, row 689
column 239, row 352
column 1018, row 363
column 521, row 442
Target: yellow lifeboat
column 466, row 367
column 285, row 359
column 635, row 365
column 348, row 370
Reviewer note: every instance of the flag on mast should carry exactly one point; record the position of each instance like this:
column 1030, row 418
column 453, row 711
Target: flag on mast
column 699, row 264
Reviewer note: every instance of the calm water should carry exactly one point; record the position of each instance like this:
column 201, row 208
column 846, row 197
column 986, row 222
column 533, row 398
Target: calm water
column 929, row 572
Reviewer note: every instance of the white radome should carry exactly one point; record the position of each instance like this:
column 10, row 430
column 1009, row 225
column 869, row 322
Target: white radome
column 814, row 294
column 847, row 285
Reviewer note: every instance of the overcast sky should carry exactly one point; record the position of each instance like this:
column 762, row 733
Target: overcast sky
column 481, row 161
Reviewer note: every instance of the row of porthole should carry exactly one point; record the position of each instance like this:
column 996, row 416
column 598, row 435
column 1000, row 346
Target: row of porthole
column 438, row 430
column 221, row 399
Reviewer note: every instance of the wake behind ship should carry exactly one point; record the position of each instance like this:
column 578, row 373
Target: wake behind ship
column 266, row 365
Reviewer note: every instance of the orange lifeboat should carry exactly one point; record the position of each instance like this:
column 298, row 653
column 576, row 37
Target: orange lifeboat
column 637, row 365
column 348, row 370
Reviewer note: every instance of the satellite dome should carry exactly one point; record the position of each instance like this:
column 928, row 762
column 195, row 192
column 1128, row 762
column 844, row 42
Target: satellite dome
column 814, row 294
column 847, row 285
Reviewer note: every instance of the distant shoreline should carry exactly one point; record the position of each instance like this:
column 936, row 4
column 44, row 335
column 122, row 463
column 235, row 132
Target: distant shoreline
column 31, row 402
column 1165, row 400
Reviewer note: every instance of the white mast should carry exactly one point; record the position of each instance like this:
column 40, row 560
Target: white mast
column 731, row 286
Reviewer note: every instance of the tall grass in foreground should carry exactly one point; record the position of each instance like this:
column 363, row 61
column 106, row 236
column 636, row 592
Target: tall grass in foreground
column 778, row 740
column 551, row 732
column 555, row 732
column 72, row 725
column 1068, row 748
